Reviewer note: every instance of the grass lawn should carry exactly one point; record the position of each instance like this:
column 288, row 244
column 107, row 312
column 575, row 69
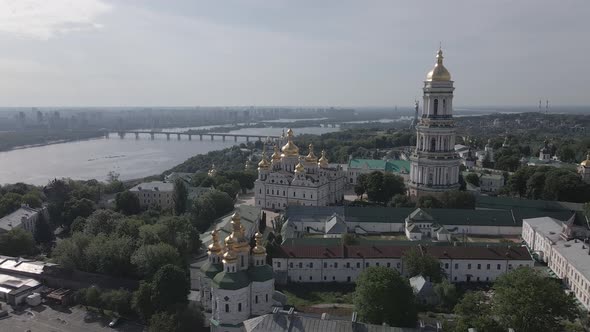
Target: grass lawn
column 304, row 296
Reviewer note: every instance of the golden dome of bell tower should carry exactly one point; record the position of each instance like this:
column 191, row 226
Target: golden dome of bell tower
column 439, row 72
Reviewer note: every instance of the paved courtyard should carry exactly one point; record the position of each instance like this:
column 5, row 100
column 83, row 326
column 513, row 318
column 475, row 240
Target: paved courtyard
column 44, row 318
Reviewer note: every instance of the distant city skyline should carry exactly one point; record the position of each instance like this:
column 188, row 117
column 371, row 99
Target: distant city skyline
column 301, row 53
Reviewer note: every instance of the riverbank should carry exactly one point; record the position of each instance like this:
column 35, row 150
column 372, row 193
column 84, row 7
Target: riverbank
column 18, row 140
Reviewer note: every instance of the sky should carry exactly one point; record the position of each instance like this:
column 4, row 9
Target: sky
column 300, row 53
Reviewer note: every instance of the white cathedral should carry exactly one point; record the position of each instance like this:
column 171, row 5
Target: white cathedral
column 291, row 179
column 235, row 283
column 435, row 164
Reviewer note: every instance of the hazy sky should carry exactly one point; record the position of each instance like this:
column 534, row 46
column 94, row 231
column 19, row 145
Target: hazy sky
column 299, row 52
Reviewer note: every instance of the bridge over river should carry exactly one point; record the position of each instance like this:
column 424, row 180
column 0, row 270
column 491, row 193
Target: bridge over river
column 223, row 136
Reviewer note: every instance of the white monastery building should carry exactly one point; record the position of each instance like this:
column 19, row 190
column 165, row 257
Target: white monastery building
column 291, row 179
column 435, row 164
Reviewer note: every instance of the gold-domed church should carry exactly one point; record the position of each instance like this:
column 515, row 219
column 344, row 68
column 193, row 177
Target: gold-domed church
column 289, row 178
column 235, row 283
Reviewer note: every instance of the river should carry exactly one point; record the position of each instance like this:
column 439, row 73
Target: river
column 131, row 158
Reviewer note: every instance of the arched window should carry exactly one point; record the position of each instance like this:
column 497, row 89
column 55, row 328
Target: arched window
column 435, row 106
column 226, row 307
column 444, row 106
column 433, row 145
column 239, row 307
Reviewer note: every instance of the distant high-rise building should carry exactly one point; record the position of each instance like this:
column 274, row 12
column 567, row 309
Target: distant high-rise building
column 435, row 164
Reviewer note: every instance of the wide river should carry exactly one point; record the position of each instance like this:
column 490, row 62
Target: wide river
column 131, row 158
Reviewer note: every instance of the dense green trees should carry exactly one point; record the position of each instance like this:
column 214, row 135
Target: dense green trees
column 522, row 299
column 449, row 200
column 548, row 183
column 417, row 262
column 382, row 295
column 17, row 242
column 117, row 300
column 209, row 207
column 129, row 247
column 472, row 178
column 127, row 203
column 180, row 197
column 380, row 187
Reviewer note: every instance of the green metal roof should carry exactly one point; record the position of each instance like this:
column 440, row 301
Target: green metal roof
column 211, row 270
column 260, row 273
column 394, row 166
column 231, row 280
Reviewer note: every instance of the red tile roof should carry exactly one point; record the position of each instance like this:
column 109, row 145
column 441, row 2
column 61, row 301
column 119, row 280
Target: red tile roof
column 384, row 251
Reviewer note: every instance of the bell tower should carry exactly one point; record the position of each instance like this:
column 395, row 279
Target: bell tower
column 434, row 163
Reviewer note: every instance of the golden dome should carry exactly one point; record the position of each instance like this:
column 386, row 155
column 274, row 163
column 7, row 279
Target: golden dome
column 276, row 156
column 311, row 157
column 290, row 149
column 230, row 255
column 323, row 162
column 439, row 72
column 586, row 163
column 299, row 168
column 259, row 249
column 214, row 247
column 264, row 163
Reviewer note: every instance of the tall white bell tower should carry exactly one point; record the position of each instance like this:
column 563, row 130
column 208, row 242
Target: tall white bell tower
column 435, row 165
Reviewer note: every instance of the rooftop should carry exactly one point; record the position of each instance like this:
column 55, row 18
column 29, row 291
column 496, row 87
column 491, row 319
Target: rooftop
column 154, row 186
column 398, row 251
column 19, row 265
column 577, row 253
column 15, row 284
column 249, row 215
column 550, row 228
column 296, row 322
column 15, row 219
column 394, row 166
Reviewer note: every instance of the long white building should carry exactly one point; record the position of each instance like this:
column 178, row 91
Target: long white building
column 551, row 241
column 291, row 179
column 344, row 263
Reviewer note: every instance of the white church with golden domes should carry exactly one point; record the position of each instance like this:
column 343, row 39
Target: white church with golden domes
column 290, row 179
column 235, row 283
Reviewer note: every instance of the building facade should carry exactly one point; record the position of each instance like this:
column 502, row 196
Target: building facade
column 235, row 283
column 343, row 263
column 435, row 165
column 155, row 193
column 291, row 179
column 25, row 217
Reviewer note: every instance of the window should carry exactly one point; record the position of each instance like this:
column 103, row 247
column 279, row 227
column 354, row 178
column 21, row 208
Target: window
column 358, row 265
column 226, row 307
column 479, row 266
column 311, row 196
column 299, row 278
column 291, row 265
column 498, row 266
column 388, row 264
column 377, row 264
column 300, row 265
column 335, row 265
column 446, row 265
column 266, row 297
column 455, row 279
column 469, row 266
column 256, row 299
column 310, row 278
column 347, row 265
column 399, row 265
column 435, row 106
column 293, row 194
column 509, row 266
column 279, row 265
column 325, row 277
column 477, row 278
column 333, row 278
column 311, row 265
column 488, row 266
column 325, row 265
column 239, row 307
column 367, row 264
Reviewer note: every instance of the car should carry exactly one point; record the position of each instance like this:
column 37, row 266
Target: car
column 114, row 322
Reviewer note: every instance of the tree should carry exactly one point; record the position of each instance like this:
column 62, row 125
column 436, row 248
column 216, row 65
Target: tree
column 102, row 221
column 180, row 197
column 127, row 203
column 527, row 301
column 170, row 286
column 149, row 258
column 190, row 318
column 92, row 297
column 163, row 322
column 118, row 300
column 383, row 296
column 417, row 262
column 32, row 199
column 457, row 200
column 69, row 253
column 109, row 254
column 473, row 179
column 43, row 231
column 9, row 203
column 447, row 293
column 74, row 208
column 17, row 242
column 382, row 187
column 349, row 239
column 361, row 185
column 401, row 200
column 474, row 311
column 142, row 300
column 428, row 202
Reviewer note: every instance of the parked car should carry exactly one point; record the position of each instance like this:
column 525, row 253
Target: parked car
column 114, row 322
